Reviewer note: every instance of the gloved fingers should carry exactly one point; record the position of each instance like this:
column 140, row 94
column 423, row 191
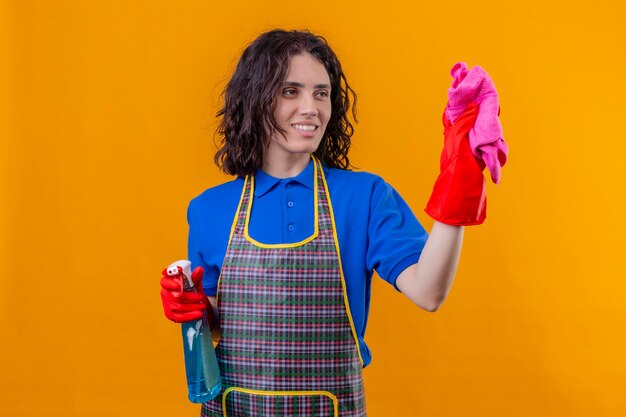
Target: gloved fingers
column 190, row 297
column 458, row 196
column 186, row 308
column 184, row 317
column 186, row 297
column 196, row 277
column 197, row 274
column 173, row 305
column 469, row 115
column 171, row 284
column 456, row 136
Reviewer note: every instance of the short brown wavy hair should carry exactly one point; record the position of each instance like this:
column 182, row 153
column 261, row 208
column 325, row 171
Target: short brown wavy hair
column 247, row 117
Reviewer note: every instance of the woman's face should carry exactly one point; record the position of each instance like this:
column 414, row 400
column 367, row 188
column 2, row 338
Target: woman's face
column 302, row 109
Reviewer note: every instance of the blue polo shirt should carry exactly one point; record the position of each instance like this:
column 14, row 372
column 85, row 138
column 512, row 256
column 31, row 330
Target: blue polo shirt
column 377, row 230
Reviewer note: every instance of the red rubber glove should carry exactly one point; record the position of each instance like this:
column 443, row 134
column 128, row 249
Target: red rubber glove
column 183, row 306
column 459, row 196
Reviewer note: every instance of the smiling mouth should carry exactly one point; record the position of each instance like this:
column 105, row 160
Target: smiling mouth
column 305, row 128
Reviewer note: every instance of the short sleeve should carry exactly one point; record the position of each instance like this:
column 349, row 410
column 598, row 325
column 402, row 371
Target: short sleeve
column 396, row 238
column 194, row 245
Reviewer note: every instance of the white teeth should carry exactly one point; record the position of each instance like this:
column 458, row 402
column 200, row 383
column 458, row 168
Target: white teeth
column 305, row 127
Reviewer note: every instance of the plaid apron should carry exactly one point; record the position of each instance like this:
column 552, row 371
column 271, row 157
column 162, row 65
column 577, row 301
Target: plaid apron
column 288, row 345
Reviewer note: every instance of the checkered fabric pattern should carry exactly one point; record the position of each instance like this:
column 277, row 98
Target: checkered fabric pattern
column 245, row 404
column 285, row 326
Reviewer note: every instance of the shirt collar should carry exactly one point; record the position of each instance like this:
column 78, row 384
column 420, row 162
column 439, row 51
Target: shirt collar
column 264, row 182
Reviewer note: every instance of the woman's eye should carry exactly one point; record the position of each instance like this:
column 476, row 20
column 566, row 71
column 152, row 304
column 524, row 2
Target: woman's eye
column 289, row 92
column 323, row 93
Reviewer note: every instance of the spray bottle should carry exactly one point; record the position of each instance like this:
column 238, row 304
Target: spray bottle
column 203, row 374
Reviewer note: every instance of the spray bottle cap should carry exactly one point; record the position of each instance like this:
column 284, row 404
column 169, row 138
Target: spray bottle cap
column 175, row 268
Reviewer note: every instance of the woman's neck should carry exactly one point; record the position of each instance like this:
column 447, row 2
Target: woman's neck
column 287, row 166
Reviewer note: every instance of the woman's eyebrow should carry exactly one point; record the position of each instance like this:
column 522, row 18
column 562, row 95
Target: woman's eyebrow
column 297, row 84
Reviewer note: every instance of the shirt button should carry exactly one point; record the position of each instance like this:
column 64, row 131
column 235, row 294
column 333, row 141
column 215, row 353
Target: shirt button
column 290, row 227
column 289, row 203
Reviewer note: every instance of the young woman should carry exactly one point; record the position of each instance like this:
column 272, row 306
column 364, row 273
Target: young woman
column 286, row 250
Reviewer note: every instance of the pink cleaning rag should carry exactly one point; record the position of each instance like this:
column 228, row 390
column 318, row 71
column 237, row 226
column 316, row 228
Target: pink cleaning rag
column 485, row 138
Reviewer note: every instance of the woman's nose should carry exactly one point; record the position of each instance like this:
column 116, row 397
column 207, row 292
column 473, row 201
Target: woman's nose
column 308, row 105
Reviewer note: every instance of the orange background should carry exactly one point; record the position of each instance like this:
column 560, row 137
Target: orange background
column 107, row 113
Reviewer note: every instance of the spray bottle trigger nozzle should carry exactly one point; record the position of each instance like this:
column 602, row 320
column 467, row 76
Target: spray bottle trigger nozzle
column 173, row 271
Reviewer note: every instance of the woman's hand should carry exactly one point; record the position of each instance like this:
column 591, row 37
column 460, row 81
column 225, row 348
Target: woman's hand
column 459, row 196
column 183, row 306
